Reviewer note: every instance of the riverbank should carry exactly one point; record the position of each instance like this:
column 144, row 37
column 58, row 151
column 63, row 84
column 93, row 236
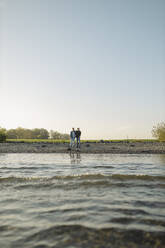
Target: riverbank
column 86, row 147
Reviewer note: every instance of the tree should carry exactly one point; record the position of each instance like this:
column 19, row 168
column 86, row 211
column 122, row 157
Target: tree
column 11, row 134
column 159, row 131
column 2, row 134
column 65, row 136
column 36, row 133
column 19, row 133
column 57, row 135
column 40, row 133
column 23, row 133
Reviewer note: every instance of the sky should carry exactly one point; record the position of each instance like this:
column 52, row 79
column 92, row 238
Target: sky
column 94, row 64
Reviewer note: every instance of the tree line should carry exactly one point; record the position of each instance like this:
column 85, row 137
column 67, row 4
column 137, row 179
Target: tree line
column 158, row 132
column 36, row 133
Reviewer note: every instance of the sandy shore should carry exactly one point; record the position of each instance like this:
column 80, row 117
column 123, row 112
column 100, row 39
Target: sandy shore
column 111, row 147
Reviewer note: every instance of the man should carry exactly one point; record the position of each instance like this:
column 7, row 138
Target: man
column 72, row 138
column 78, row 134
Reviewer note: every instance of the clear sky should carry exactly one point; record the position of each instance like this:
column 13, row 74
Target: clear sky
column 94, row 64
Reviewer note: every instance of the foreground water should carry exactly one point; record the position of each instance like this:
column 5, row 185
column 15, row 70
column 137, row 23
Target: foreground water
column 82, row 200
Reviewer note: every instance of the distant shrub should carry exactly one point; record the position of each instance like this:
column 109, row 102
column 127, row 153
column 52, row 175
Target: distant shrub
column 2, row 136
column 159, row 131
column 58, row 136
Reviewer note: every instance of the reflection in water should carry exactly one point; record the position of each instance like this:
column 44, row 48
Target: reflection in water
column 75, row 158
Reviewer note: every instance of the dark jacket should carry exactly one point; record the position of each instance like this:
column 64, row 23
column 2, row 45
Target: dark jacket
column 77, row 133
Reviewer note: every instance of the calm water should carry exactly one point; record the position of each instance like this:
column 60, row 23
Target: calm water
column 82, row 200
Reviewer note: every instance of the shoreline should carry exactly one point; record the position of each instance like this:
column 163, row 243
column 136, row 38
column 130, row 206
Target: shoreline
column 86, row 147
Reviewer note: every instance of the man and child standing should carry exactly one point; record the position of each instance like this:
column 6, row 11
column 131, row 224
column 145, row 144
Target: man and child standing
column 75, row 134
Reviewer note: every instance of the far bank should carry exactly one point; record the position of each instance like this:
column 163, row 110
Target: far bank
column 123, row 147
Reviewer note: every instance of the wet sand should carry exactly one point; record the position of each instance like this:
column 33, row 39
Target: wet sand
column 121, row 147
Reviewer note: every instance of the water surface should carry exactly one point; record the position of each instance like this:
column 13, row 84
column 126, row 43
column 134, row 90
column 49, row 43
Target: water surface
column 82, row 200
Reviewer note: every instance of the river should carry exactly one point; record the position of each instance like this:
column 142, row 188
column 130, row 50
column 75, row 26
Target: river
column 82, row 200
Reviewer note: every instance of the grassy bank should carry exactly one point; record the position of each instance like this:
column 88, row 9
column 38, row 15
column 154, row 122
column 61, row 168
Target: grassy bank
column 83, row 141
